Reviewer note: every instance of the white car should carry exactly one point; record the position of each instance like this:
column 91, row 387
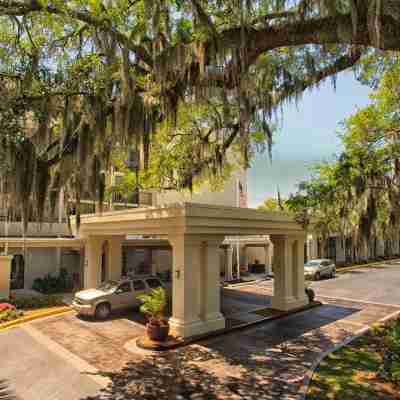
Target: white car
column 317, row 269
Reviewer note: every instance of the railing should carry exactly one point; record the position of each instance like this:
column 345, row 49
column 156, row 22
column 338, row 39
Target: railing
column 145, row 199
column 34, row 229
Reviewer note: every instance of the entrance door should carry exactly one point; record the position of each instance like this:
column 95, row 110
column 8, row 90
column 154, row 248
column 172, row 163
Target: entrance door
column 17, row 272
column 103, row 267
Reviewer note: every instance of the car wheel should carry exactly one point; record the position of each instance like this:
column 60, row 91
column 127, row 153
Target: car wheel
column 317, row 276
column 103, row 311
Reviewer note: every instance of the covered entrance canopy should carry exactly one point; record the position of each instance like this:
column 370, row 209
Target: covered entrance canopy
column 195, row 232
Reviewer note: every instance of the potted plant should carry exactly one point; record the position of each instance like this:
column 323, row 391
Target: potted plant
column 154, row 305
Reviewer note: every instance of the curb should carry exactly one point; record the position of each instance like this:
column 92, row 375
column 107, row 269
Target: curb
column 382, row 264
column 39, row 314
column 308, row 376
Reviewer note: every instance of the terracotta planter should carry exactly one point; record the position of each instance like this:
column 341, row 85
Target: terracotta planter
column 156, row 332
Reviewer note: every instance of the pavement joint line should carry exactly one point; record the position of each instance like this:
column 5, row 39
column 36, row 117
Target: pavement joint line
column 81, row 365
column 361, row 332
column 359, row 301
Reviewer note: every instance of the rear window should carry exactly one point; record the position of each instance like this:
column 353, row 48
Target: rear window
column 313, row 264
column 153, row 283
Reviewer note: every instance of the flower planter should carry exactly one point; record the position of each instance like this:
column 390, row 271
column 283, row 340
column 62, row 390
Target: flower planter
column 157, row 332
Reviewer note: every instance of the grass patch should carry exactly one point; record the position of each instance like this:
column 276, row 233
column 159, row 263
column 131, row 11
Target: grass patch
column 351, row 373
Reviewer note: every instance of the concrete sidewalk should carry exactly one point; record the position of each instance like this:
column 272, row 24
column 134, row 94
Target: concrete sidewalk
column 36, row 373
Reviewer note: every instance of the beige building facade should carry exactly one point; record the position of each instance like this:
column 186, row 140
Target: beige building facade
column 140, row 256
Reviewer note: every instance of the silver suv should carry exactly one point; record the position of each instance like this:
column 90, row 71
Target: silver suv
column 113, row 295
column 317, row 269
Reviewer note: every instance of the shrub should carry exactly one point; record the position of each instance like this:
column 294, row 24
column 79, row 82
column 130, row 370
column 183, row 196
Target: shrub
column 54, row 284
column 6, row 306
column 154, row 305
column 10, row 314
column 31, row 302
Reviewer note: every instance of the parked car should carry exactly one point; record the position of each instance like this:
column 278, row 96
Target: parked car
column 113, row 295
column 317, row 269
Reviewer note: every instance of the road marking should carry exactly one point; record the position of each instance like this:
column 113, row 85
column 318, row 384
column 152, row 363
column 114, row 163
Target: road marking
column 81, row 365
column 359, row 301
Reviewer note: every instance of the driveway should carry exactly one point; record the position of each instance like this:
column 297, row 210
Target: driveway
column 369, row 284
column 66, row 357
column 377, row 285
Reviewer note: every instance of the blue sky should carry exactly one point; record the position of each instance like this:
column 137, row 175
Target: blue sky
column 307, row 133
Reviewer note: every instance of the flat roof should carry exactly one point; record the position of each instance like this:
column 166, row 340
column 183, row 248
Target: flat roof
column 188, row 218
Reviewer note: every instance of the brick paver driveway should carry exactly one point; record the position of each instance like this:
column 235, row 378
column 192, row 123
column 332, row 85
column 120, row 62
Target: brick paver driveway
column 100, row 343
column 265, row 362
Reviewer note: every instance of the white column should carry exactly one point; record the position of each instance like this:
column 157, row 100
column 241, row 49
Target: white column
column 396, row 249
column 380, row 247
column 340, row 253
column 92, row 269
column 210, row 299
column 267, row 259
column 288, row 281
column 246, row 258
column 298, row 271
column 5, row 276
column 229, row 264
column 186, row 261
column 114, row 258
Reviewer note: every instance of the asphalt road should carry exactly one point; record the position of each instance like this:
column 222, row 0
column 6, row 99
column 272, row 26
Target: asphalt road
column 36, row 373
column 377, row 285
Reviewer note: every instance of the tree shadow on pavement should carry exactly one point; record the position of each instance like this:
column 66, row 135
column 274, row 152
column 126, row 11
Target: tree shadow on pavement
column 266, row 362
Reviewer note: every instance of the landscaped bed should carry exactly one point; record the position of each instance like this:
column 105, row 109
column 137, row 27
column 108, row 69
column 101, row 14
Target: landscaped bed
column 368, row 368
column 361, row 263
column 26, row 308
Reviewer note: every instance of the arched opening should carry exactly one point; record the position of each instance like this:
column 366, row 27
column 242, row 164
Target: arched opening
column 17, row 277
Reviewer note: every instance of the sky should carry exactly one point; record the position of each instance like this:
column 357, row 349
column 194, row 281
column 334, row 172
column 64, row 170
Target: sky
column 307, row 133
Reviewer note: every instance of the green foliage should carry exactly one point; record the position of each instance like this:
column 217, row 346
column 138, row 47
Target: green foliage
column 33, row 302
column 271, row 204
column 358, row 194
column 53, row 284
column 186, row 84
column 154, row 304
column 10, row 315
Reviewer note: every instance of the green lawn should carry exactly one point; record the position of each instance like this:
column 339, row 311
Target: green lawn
column 351, row 374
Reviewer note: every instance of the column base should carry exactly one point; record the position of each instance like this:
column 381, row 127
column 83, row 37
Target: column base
column 188, row 329
column 288, row 303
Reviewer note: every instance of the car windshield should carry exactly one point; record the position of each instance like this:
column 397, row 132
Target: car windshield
column 107, row 286
column 313, row 264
